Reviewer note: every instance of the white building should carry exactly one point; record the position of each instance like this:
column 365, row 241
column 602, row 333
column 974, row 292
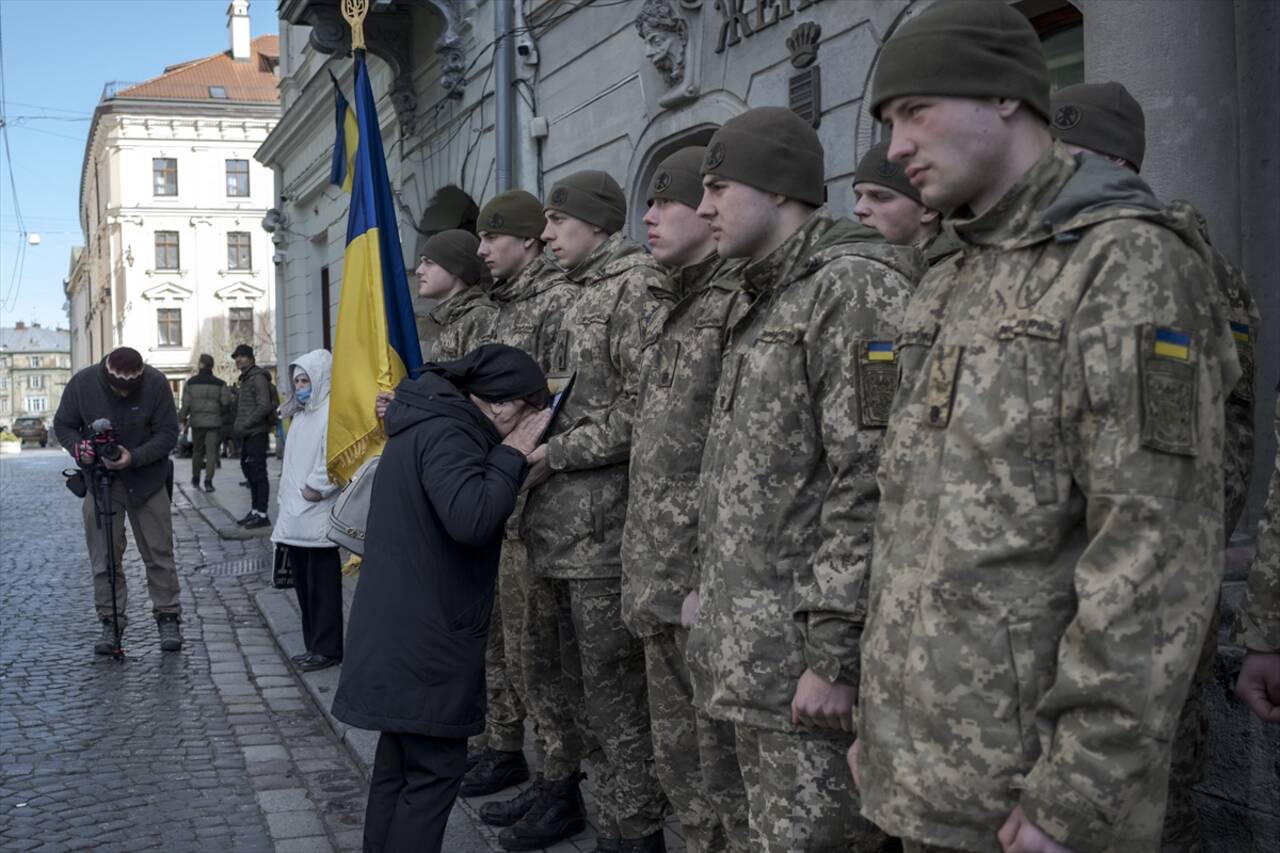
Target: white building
column 175, row 261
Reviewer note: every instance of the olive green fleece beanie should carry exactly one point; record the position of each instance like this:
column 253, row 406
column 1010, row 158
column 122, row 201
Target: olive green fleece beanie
column 771, row 149
column 679, row 177
column 1102, row 117
column 455, row 250
column 594, row 197
column 514, row 212
column 876, row 168
column 964, row 49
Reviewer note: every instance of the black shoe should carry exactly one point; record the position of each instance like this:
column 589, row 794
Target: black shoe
column 556, row 813
column 170, row 633
column 300, row 658
column 106, row 644
column 608, row 844
column 195, row 481
column 313, row 663
column 244, row 483
column 494, row 772
column 654, row 842
column 257, row 520
column 208, row 486
column 248, row 518
column 509, row 811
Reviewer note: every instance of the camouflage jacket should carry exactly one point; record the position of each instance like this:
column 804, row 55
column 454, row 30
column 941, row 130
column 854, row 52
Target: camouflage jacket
column 1257, row 623
column 1050, row 537
column 941, row 246
column 573, row 522
column 678, row 375
column 530, row 309
column 788, row 477
column 464, row 322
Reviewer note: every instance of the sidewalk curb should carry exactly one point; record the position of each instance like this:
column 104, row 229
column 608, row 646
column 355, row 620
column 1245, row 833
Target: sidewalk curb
column 217, row 517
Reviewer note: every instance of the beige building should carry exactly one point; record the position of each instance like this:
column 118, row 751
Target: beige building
column 175, row 260
column 35, row 364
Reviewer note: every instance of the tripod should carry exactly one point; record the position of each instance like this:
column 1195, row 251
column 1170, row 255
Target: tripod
column 103, row 509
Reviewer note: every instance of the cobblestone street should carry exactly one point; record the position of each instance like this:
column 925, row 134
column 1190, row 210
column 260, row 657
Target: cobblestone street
column 213, row 748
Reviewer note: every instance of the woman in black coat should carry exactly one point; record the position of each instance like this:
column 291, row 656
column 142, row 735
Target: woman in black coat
column 414, row 664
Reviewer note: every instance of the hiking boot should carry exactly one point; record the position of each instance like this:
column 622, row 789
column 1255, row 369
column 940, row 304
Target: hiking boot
column 258, row 519
column 208, row 486
column 170, row 633
column 106, row 644
column 654, row 842
column 509, row 811
column 555, row 814
column 495, row 771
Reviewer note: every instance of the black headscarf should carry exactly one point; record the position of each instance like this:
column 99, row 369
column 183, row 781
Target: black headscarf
column 493, row 372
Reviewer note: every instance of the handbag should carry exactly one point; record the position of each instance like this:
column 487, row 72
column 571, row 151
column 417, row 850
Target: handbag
column 349, row 517
column 282, row 571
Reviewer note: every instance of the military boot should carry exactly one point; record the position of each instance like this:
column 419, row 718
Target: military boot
column 555, row 814
column 170, row 633
column 654, row 842
column 106, row 644
column 495, row 771
column 509, row 811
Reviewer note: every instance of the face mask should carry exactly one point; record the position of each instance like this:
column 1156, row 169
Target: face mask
column 302, row 395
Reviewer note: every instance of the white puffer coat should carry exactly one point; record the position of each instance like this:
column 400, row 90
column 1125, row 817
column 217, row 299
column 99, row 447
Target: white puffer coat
column 300, row 521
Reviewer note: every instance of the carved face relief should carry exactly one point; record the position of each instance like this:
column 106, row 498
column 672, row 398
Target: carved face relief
column 665, row 37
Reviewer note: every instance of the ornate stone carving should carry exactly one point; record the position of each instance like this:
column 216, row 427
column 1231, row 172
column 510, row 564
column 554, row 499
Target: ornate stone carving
column 667, row 45
column 803, row 44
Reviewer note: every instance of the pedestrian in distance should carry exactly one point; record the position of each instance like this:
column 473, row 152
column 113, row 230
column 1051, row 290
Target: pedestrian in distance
column 137, row 401
column 255, row 420
column 455, row 457
column 306, row 496
column 205, row 400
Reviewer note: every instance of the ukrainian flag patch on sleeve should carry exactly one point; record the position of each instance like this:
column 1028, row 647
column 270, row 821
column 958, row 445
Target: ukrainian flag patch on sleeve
column 1240, row 332
column 1172, row 343
column 880, row 351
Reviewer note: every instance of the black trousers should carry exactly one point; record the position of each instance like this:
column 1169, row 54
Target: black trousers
column 317, row 579
column 414, row 785
column 253, row 462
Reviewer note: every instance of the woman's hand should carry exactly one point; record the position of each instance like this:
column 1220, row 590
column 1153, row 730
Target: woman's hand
column 526, row 434
column 383, row 402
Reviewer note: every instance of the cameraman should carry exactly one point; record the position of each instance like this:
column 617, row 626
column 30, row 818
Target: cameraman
column 136, row 399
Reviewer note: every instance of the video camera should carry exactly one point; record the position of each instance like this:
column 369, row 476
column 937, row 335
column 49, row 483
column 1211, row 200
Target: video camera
column 101, row 437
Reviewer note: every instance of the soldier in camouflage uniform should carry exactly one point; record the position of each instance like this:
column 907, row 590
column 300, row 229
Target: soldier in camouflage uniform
column 1257, row 625
column 449, row 270
column 577, row 503
column 788, row 477
column 678, row 375
column 1105, row 119
column 1048, row 547
column 531, row 295
column 886, row 201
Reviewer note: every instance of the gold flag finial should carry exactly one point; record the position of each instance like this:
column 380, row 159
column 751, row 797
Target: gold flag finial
column 354, row 11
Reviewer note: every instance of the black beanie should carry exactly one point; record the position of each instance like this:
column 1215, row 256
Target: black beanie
column 876, row 168
column 594, row 197
column 1102, row 117
column 964, row 49
column 514, row 212
column 771, row 149
column 679, row 177
column 455, row 250
column 124, row 368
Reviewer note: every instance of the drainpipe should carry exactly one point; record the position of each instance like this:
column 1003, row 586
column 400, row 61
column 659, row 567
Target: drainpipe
column 504, row 92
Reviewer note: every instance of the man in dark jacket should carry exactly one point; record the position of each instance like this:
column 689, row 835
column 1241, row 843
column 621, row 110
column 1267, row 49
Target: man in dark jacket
column 137, row 401
column 414, row 663
column 204, row 400
column 254, row 413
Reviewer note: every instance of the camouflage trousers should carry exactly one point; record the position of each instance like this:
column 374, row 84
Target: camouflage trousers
column 801, row 794
column 503, row 682
column 543, row 634
column 695, row 755
column 1181, row 831
column 609, row 662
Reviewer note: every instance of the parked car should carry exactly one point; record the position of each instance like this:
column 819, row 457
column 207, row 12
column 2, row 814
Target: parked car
column 31, row 429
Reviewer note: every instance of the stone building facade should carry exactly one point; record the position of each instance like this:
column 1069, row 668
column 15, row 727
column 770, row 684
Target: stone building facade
column 35, row 364
column 619, row 84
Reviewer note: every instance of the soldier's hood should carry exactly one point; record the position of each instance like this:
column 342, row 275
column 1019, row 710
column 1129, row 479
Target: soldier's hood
column 614, row 256
column 532, row 281
column 847, row 238
column 1097, row 187
column 449, row 311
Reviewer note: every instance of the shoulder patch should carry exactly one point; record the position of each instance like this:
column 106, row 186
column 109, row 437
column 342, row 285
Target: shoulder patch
column 877, row 371
column 1169, row 389
column 1243, row 337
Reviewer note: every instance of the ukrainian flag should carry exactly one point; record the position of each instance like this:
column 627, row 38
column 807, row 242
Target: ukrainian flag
column 375, row 341
column 1172, row 343
column 346, row 138
column 880, row 351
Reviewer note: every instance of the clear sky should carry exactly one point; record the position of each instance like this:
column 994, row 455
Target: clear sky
column 57, row 55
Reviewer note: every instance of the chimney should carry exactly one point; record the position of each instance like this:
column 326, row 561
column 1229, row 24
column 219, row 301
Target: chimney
column 238, row 26
column 35, row 325
column 19, row 325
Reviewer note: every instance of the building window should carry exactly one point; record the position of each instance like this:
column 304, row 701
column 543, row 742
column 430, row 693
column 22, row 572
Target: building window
column 35, row 382
column 166, row 250
column 164, row 174
column 1061, row 32
column 238, row 178
column 37, row 404
column 217, row 91
column 238, row 254
column 4, row 383
column 169, row 326
column 4, row 404
column 33, row 361
column 240, row 325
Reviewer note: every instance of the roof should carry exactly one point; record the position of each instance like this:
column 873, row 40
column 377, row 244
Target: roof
column 251, row 80
column 31, row 339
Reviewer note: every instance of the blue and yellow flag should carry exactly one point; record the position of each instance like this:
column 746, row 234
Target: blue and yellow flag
column 346, row 137
column 375, row 341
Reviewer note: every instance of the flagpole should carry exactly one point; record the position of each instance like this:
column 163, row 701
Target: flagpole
column 355, row 11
